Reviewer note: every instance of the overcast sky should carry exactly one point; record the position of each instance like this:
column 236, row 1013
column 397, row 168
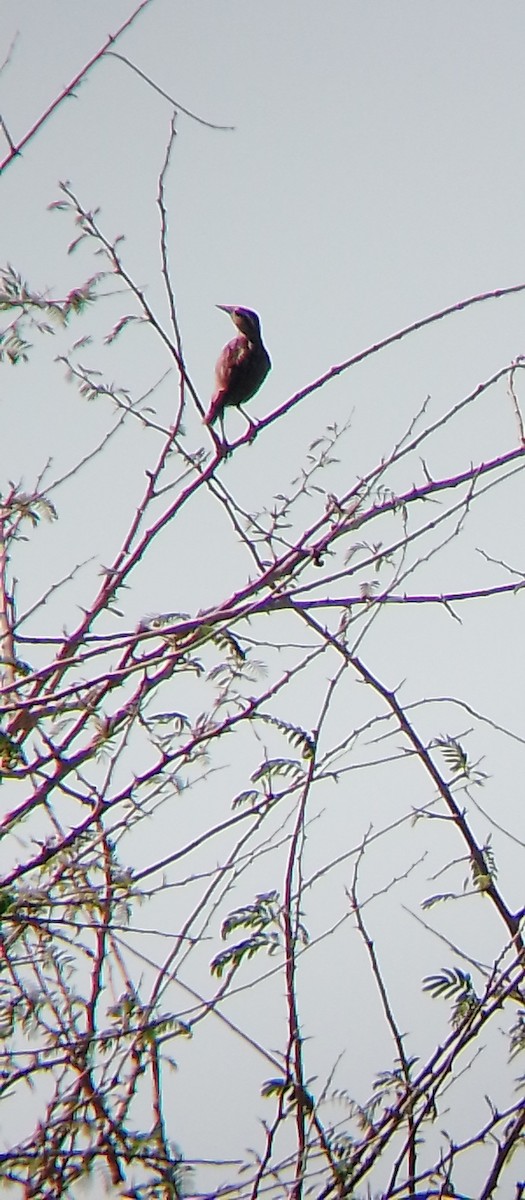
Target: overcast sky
column 374, row 174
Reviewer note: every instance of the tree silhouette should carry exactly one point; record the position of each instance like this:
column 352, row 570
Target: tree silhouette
column 251, row 882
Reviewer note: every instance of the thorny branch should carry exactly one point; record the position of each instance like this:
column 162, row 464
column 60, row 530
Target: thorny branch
column 16, row 147
column 164, row 752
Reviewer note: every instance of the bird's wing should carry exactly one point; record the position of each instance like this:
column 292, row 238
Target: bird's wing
column 229, row 371
column 230, row 363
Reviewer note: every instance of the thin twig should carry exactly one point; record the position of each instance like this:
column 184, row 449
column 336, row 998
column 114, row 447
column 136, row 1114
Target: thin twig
column 16, row 149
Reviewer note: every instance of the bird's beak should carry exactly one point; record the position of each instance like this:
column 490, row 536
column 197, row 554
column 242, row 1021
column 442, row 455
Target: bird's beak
column 227, row 308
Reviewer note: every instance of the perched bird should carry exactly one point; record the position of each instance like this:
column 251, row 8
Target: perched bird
column 241, row 367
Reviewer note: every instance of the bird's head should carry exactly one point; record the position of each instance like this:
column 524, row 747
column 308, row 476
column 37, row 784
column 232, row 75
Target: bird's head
column 245, row 319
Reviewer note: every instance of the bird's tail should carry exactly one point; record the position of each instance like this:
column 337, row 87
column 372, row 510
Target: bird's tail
column 215, row 409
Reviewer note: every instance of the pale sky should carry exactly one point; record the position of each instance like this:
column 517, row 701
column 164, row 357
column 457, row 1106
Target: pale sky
column 375, row 174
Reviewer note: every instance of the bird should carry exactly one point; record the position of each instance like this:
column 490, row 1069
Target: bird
column 241, row 367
